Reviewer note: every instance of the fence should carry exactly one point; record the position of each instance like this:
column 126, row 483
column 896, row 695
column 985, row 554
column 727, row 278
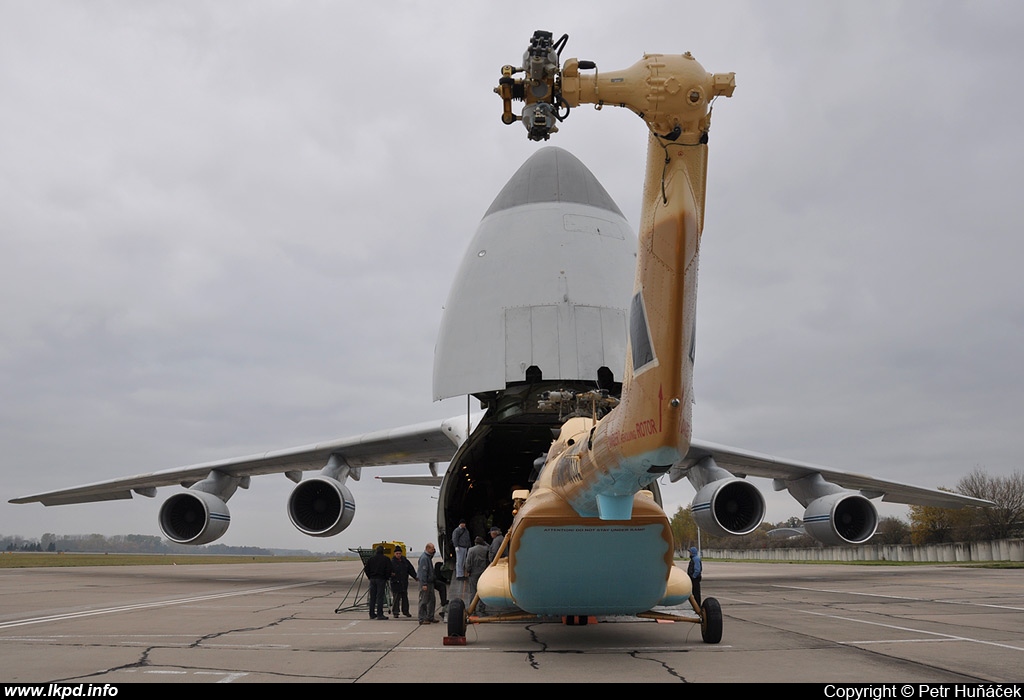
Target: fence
column 998, row 550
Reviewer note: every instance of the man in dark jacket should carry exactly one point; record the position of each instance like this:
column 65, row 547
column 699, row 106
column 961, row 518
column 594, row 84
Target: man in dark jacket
column 401, row 570
column 441, row 581
column 378, row 573
column 495, row 546
column 695, row 570
column 476, row 563
column 461, row 541
column 425, row 575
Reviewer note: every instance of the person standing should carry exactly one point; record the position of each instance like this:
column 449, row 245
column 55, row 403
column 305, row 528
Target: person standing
column 694, row 570
column 425, row 575
column 476, row 562
column 401, row 570
column 378, row 573
column 441, row 581
column 496, row 539
column 462, row 541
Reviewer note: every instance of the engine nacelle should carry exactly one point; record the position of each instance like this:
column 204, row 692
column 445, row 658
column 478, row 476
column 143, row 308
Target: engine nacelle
column 728, row 507
column 194, row 517
column 841, row 518
column 321, row 507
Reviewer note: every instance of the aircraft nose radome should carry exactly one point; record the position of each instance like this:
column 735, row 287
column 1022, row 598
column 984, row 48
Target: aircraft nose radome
column 553, row 174
column 545, row 283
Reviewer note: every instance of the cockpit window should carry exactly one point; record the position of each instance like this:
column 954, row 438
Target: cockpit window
column 639, row 334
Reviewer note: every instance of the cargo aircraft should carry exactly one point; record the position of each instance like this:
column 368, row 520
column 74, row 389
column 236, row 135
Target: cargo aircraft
column 578, row 341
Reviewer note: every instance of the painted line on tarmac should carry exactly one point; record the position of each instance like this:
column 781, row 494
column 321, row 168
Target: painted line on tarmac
column 143, row 606
column 226, row 676
column 944, row 637
column 949, row 601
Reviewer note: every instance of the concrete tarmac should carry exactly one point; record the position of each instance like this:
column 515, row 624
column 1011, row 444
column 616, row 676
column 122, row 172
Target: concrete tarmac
column 251, row 623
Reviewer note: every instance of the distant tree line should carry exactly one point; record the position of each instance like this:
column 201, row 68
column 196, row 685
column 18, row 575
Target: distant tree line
column 927, row 524
column 117, row 544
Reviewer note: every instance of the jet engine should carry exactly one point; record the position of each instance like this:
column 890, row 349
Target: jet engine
column 724, row 504
column 728, row 506
column 841, row 518
column 321, row 506
column 194, row 517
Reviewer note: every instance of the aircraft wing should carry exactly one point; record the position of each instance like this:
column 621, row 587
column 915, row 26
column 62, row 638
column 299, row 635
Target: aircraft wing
column 413, row 480
column 434, row 441
column 745, row 463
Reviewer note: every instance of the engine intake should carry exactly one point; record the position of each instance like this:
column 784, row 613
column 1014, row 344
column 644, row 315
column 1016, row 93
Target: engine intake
column 728, row 507
column 841, row 518
column 194, row 517
column 321, row 507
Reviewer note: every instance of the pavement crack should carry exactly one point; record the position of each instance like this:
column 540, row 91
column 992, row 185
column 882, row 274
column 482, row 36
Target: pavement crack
column 531, row 656
column 532, row 629
column 238, row 630
column 142, row 662
column 668, row 668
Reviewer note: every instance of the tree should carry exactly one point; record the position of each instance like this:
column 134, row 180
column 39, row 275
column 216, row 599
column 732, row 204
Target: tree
column 1004, row 519
column 934, row 525
column 893, row 530
column 684, row 528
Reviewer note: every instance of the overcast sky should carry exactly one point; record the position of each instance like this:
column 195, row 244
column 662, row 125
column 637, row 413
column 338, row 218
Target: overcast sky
column 231, row 227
